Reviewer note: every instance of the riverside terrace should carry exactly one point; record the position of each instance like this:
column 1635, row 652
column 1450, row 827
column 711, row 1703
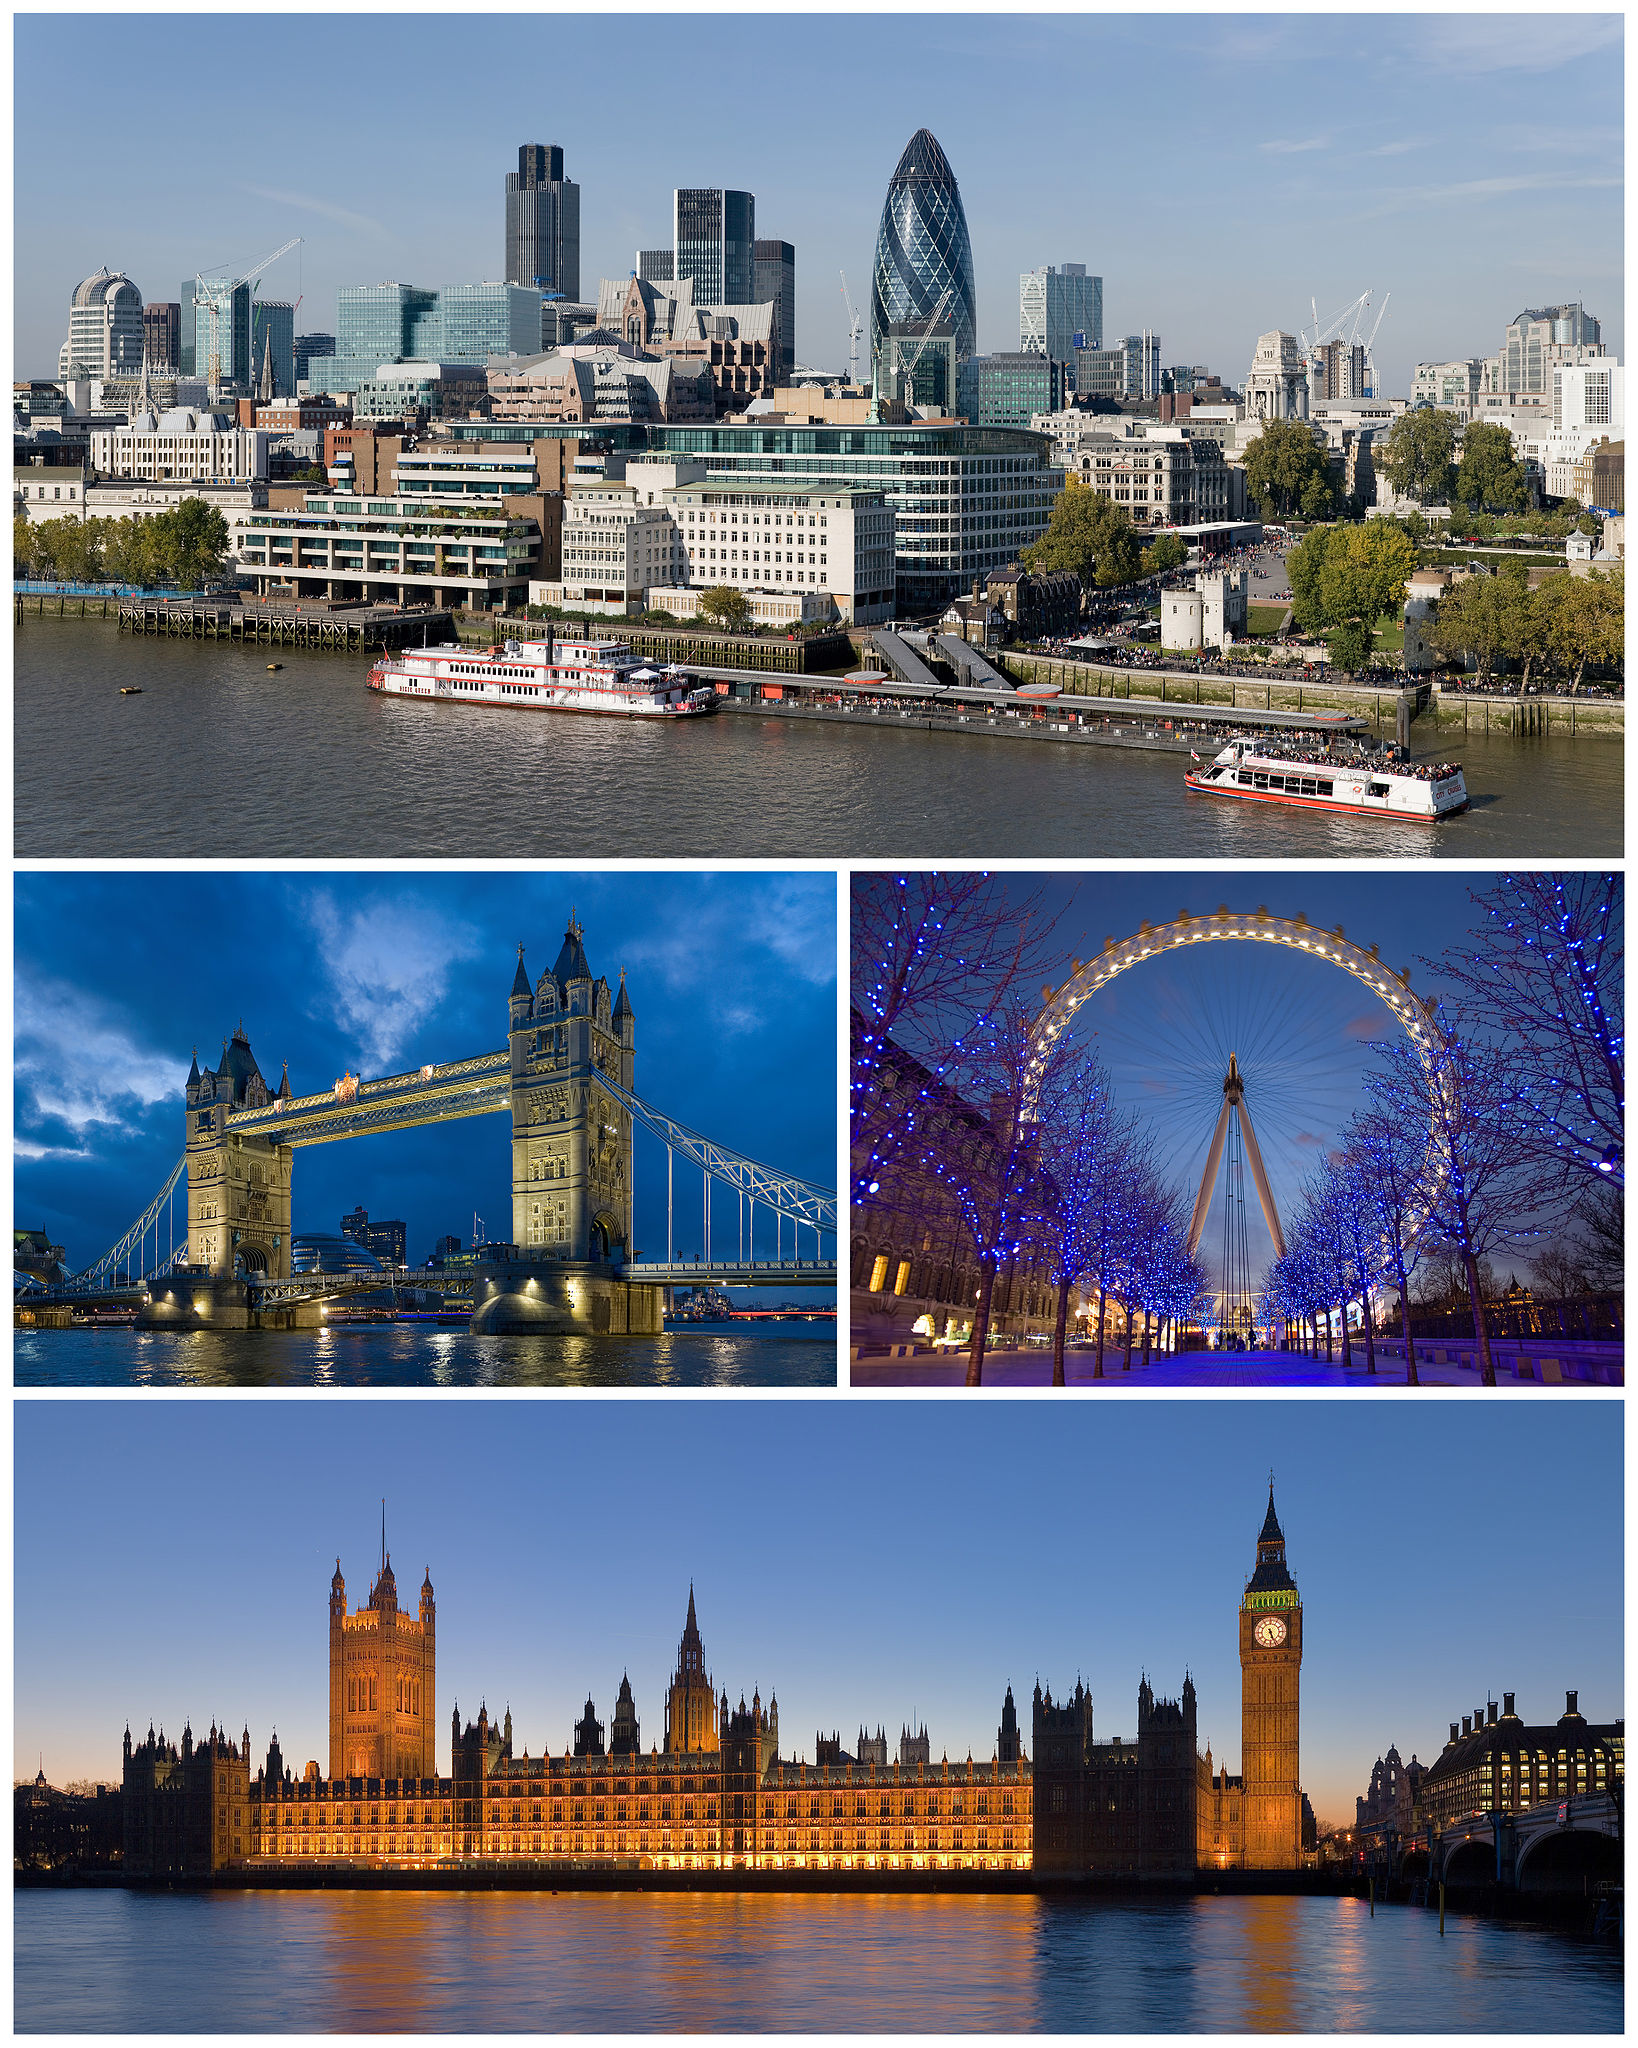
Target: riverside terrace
column 1145, row 722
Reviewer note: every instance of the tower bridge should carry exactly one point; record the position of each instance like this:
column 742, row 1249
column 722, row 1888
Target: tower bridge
column 566, row 1078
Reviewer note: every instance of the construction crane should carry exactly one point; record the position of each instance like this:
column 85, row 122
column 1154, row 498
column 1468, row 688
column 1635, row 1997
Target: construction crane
column 1332, row 328
column 908, row 365
column 1370, row 360
column 855, row 333
column 213, row 297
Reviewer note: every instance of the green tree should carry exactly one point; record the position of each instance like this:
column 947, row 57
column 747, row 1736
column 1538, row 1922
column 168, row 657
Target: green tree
column 1284, row 464
column 1304, row 567
column 1165, row 551
column 1489, row 478
column 1345, row 578
column 1089, row 535
column 25, row 550
column 192, row 541
column 1582, row 621
column 1416, row 456
column 724, row 606
column 1475, row 618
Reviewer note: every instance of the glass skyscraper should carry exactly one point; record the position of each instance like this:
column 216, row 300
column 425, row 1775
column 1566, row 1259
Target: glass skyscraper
column 274, row 326
column 232, row 330
column 543, row 222
column 774, row 283
column 407, row 323
column 714, row 237
column 922, row 251
column 1056, row 306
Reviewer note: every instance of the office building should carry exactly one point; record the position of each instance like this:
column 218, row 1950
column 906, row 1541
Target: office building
column 106, row 334
column 310, row 348
column 563, row 321
column 656, row 266
column 395, row 550
column 739, row 344
column 387, row 1239
column 180, row 444
column 773, row 282
column 418, row 392
column 1059, row 311
column 1541, row 337
column 1453, row 386
column 714, row 244
column 543, row 223
column 1494, row 1762
column 273, row 347
column 162, row 334
column 1336, row 370
column 1008, row 390
column 600, row 381
column 922, row 281
column 401, row 323
column 228, row 332
column 715, row 1792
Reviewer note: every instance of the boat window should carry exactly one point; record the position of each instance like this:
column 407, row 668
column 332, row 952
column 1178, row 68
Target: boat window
column 1276, row 782
column 1325, row 789
column 1379, row 789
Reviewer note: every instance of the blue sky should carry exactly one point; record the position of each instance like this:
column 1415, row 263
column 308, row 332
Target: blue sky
column 1217, row 172
column 732, row 978
column 864, row 1560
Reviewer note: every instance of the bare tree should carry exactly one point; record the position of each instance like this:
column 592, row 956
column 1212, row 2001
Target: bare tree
column 1484, row 1187
column 934, row 956
column 1544, row 982
column 1081, row 1140
column 1391, row 1156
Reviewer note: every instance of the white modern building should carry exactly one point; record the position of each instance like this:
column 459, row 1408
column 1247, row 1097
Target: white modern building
column 182, row 444
column 648, row 533
column 105, row 332
column 1059, row 311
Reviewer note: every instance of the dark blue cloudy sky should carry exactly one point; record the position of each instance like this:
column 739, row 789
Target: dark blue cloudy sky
column 1218, row 171
column 865, row 1560
column 732, row 977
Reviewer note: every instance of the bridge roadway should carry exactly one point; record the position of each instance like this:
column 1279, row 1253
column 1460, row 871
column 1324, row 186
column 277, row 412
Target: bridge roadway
column 1541, row 1848
column 434, row 1094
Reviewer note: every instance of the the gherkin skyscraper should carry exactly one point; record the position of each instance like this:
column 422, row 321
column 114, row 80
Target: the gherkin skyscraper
column 922, row 251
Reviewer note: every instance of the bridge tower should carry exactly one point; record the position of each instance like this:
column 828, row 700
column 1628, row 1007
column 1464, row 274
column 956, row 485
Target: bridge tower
column 238, row 1186
column 572, row 1142
column 1270, row 1669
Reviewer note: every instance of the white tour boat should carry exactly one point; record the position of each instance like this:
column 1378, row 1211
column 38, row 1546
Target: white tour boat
column 544, row 675
column 1376, row 784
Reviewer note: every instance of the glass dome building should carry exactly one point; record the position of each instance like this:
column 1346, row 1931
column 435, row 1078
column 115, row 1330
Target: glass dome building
column 922, row 251
column 313, row 1252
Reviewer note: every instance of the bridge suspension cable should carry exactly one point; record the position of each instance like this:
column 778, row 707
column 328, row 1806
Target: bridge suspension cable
column 135, row 1239
column 791, row 1198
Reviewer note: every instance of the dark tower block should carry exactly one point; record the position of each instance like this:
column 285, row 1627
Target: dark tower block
column 1270, row 1669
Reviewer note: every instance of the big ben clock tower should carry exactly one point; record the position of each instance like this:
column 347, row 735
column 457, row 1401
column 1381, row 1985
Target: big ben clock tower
column 1270, row 1665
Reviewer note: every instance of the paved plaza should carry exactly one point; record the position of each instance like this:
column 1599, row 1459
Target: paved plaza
column 1032, row 1367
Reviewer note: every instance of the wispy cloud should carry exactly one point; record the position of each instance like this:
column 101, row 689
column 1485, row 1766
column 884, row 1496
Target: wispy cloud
column 791, row 917
column 1400, row 148
column 77, row 1065
column 305, row 203
column 1518, row 42
column 1414, row 198
column 26, row 1148
column 384, row 966
column 1284, row 147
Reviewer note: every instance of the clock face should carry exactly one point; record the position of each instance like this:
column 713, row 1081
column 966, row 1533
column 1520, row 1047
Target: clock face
column 1270, row 1631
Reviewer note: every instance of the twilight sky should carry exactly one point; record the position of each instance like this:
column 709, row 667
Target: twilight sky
column 1217, row 172
column 732, row 978
column 864, row 1560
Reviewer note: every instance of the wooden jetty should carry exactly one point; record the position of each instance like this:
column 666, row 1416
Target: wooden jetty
column 287, row 622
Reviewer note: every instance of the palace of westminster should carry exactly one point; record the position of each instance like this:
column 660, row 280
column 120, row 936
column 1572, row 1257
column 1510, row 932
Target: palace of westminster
column 718, row 1795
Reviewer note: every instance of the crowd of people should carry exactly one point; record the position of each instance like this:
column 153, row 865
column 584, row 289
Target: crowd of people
column 1371, row 756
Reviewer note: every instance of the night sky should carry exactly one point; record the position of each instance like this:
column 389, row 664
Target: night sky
column 865, row 1560
column 732, row 977
column 1305, row 1034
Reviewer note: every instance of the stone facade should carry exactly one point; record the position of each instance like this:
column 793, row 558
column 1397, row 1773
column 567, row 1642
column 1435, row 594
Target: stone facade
column 383, row 1682
column 238, row 1186
column 1277, row 383
column 1270, row 1670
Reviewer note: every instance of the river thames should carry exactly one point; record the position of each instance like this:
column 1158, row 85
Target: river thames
column 218, row 758
column 777, row 1353
column 628, row 1962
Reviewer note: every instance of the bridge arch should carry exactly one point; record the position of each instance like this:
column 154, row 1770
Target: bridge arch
column 608, row 1234
column 251, row 1258
column 1570, row 1860
column 1471, row 1864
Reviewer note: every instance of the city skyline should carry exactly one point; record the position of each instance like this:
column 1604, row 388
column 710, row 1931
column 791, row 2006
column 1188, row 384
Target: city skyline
column 922, row 1610
column 731, row 977
column 1261, row 87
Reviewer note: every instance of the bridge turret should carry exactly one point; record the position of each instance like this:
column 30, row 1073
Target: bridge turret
column 625, row 1021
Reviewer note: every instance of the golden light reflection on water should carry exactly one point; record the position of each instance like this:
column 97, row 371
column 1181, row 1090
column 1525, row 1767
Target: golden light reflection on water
column 611, row 1962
